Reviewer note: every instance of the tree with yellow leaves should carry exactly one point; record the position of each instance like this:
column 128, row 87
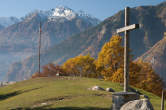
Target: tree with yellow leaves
column 81, row 66
column 110, row 63
column 149, row 80
column 110, row 58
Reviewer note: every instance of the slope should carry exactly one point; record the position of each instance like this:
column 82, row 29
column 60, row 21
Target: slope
column 20, row 40
column 1, row 27
column 8, row 21
column 156, row 56
column 23, row 36
column 67, row 93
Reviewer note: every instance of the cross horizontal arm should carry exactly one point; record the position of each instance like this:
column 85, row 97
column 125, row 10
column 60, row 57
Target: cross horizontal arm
column 128, row 28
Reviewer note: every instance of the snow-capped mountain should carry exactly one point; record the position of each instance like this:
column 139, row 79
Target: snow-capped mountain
column 7, row 21
column 69, row 14
column 57, row 25
column 20, row 40
column 61, row 14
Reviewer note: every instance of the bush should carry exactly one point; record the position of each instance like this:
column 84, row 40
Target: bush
column 50, row 70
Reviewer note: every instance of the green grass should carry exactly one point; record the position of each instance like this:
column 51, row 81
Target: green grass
column 62, row 94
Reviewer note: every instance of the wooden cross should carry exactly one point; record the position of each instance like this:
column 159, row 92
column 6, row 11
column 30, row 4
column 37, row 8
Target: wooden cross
column 126, row 30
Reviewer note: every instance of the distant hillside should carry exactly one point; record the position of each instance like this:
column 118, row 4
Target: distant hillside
column 23, row 36
column 153, row 25
column 156, row 56
column 8, row 21
column 1, row 27
column 20, row 40
column 66, row 93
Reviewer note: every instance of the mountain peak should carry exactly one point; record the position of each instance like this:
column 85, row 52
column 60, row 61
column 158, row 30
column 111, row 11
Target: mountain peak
column 63, row 12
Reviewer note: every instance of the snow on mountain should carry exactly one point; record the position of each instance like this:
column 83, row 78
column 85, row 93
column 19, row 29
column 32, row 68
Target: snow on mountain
column 88, row 17
column 7, row 21
column 69, row 14
column 61, row 13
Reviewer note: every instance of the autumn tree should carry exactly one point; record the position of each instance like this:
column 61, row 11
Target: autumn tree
column 50, row 70
column 110, row 63
column 81, row 66
column 149, row 80
column 134, row 75
column 110, row 58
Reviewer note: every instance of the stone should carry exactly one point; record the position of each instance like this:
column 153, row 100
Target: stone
column 120, row 98
column 57, row 74
column 109, row 90
column 96, row 88
column 43, row 104
column 142, row 104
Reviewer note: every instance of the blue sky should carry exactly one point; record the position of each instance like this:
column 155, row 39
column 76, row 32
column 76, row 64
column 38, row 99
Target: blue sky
column 98, row 8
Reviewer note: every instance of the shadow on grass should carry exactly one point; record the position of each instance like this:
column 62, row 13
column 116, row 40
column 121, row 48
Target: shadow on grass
column 63, row 108
column 12, row 94
column 5, row 96
column 29, row 90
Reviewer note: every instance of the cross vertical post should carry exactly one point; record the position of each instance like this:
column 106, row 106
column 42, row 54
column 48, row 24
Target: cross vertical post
column 126, row 51
column 126, row 30
column 120, row 98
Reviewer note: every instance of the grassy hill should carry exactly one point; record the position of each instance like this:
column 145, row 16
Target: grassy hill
column 65, row 93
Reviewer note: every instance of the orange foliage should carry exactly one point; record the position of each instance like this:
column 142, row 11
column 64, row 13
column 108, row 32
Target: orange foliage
column 149, row 80
column 110, row 58
column 110, row 64
column 81, row 66
column 141, row 76
column 50, row 70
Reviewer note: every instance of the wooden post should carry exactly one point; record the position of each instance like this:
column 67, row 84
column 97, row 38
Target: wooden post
column 120, row 98
column 162, row 100
column 126, row 51
column 127, row 29
column 39, row 45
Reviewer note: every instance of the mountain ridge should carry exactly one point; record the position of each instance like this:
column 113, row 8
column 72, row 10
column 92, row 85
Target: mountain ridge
column 156, row 56
column 20, row 40
column 8, row 21
column 62, row 12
